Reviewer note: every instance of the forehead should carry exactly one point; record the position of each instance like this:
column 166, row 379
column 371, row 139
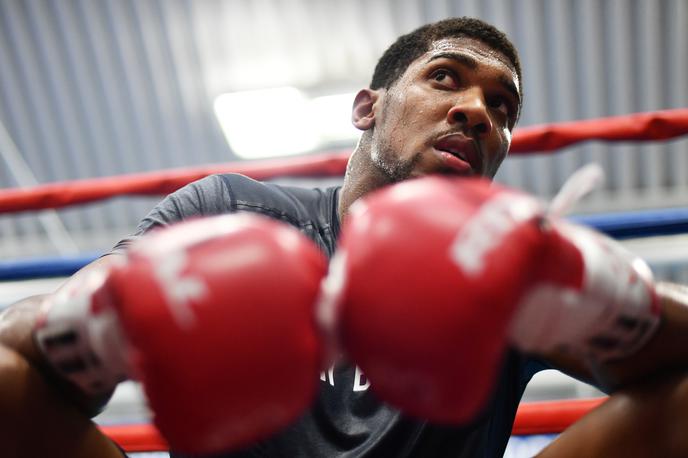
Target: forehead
column 483, row 54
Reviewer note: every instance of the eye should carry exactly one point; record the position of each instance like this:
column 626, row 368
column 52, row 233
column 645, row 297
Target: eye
column 444, row 77
column 499, row 104
column 503, row 105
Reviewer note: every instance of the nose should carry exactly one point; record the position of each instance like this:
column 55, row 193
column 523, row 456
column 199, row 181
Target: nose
column 470, row 110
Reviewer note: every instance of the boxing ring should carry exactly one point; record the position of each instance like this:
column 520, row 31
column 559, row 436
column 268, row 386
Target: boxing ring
column 536, row 423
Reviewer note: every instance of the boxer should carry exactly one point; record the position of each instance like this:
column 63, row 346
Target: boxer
column 443, row 100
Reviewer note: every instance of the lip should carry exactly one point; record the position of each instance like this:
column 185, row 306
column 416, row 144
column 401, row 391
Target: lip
column 454, row 165
column 456, row 149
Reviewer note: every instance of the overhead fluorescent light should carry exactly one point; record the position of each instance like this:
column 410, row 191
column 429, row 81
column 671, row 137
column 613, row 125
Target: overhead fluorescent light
column 283, row 121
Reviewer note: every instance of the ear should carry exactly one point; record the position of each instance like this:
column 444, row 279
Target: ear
column 363, row 112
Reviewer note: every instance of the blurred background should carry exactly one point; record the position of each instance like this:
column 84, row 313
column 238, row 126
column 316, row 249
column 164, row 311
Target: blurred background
column 92, row 88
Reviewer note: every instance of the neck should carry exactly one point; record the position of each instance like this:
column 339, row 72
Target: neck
column 362, row 177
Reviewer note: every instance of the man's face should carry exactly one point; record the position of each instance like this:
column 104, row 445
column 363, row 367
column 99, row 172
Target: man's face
column 451, row 112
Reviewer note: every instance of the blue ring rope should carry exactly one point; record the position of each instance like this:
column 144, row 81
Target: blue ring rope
column 647, row 223
column 24, row 269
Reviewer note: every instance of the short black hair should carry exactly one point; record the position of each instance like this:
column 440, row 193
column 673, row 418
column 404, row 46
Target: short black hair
column 411, row 46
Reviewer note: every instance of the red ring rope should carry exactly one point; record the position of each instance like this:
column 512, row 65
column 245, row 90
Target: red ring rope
column 551, row 416
column 659, row 125
column 532, row 418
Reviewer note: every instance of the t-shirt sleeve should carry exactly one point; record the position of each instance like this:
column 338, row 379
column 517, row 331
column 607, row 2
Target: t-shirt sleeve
column 205, row 197
column 533, row 365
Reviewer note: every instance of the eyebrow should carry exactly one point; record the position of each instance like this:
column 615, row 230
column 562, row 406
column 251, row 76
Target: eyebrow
column 470, row 62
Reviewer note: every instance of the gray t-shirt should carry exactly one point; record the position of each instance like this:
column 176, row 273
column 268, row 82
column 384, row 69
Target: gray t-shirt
column 345, row 420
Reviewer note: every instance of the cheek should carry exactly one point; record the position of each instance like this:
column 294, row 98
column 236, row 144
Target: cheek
column 507, row 137
column 504, row 142
column 501, row 144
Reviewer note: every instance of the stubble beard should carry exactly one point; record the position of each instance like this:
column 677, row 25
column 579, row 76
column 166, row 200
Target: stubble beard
column 393, row 168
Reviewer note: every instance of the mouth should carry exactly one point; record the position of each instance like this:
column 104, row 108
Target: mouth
column 459, row 154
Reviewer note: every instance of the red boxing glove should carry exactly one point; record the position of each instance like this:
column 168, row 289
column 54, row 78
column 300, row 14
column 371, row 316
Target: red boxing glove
column 425, row 313
column 435, row 277
column 217, row 320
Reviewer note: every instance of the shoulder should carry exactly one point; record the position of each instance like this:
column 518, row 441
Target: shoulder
column 309, row 210
column 204, row 197
column 227, row 193
column 294, row 205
